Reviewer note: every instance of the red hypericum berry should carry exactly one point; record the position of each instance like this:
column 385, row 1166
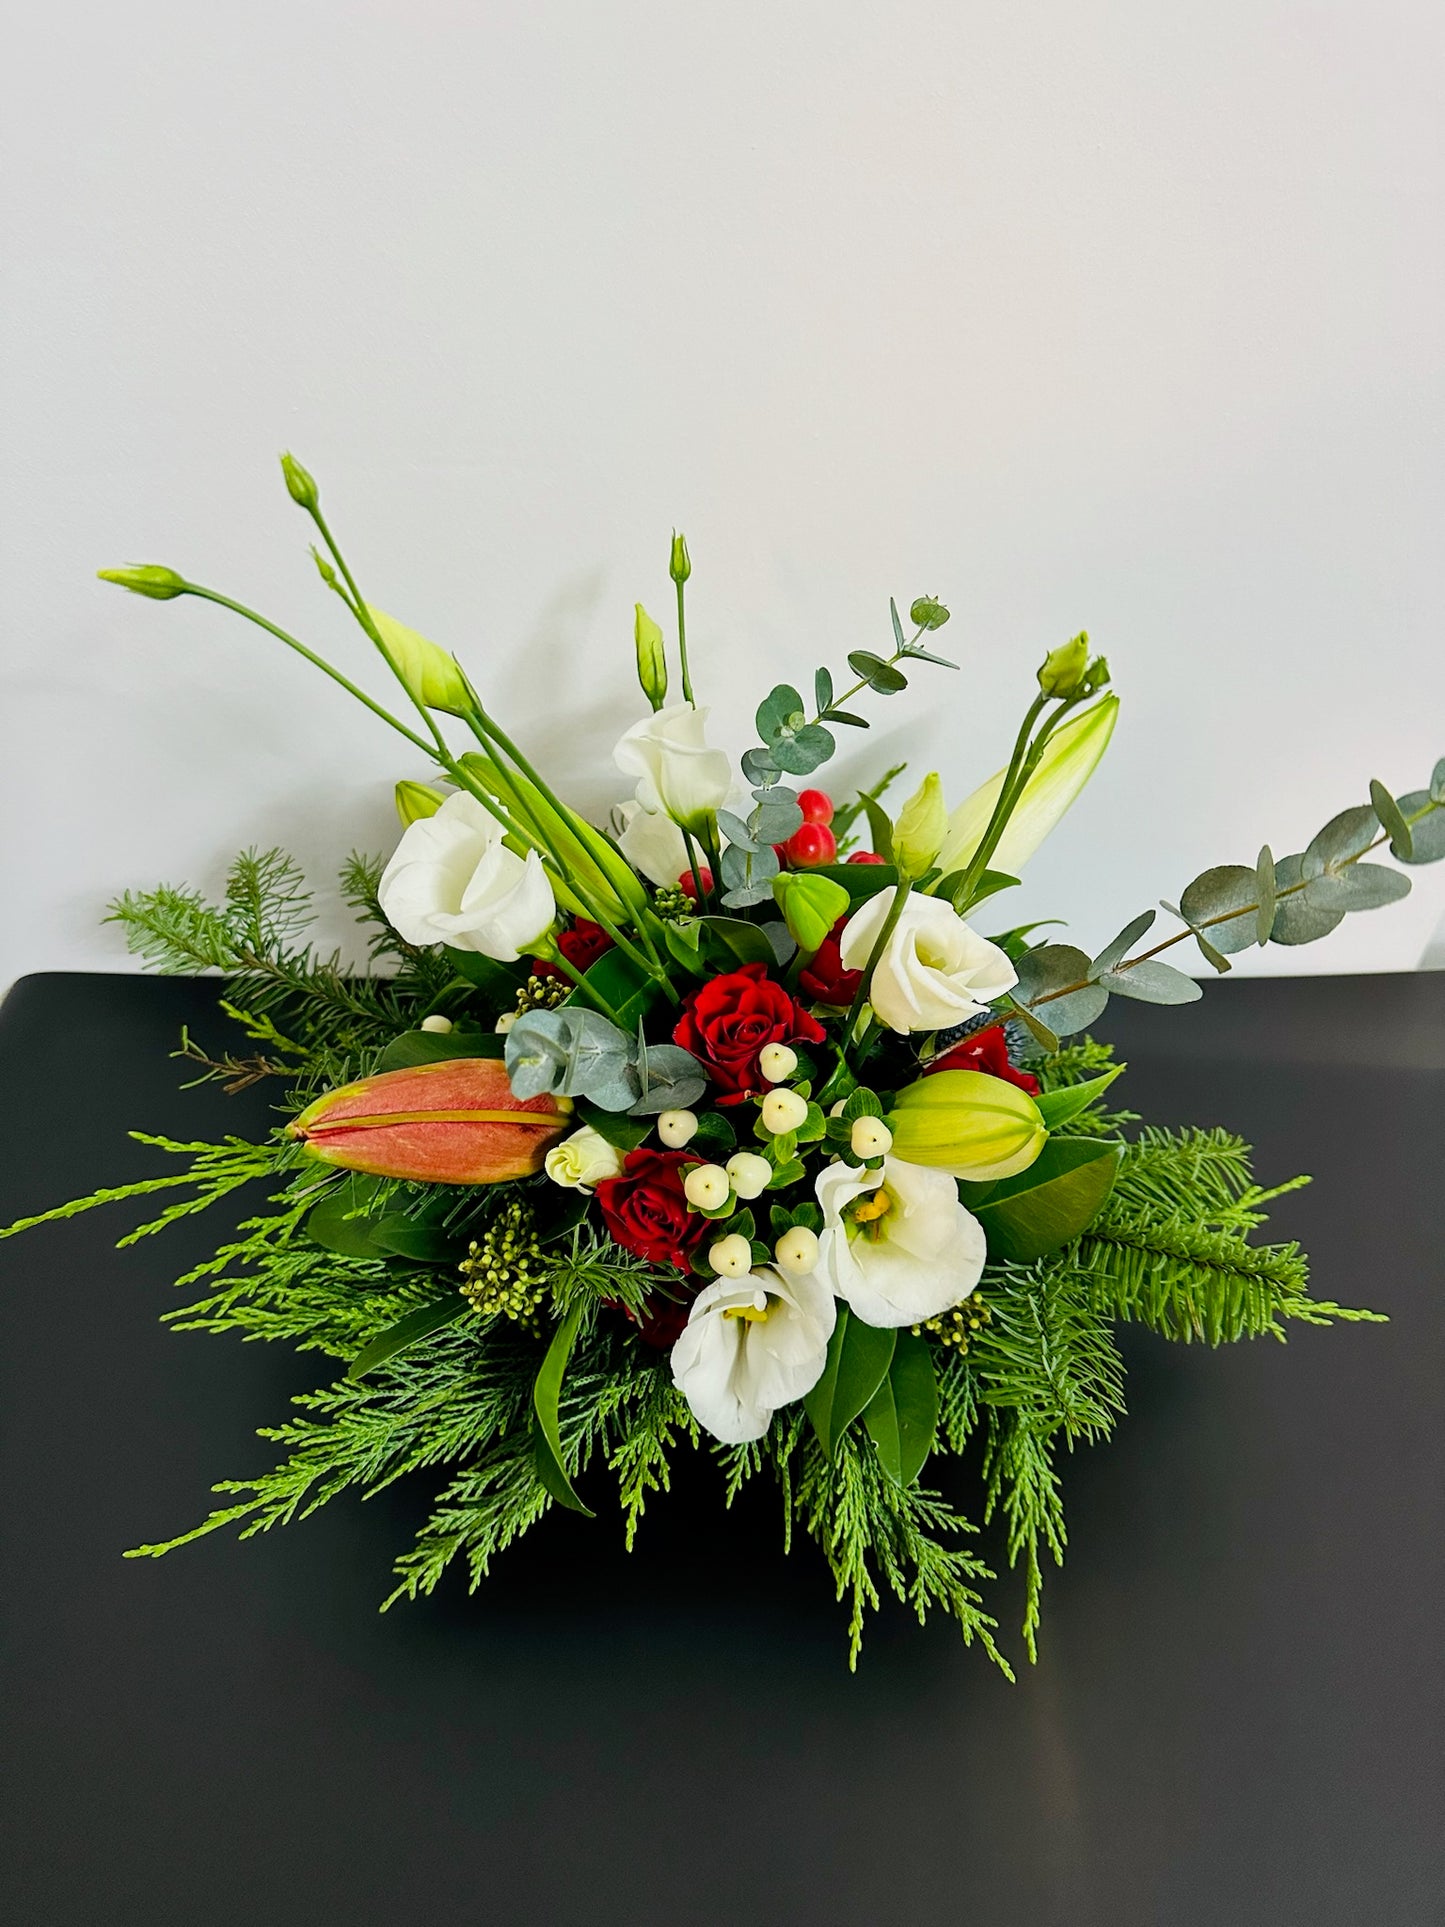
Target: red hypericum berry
column 865, row 856
column 780, row 851
column 816, row 805
column 688, row 887
column 811, row 846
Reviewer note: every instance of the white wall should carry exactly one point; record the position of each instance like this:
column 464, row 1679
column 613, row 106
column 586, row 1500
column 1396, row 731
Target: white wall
column 1117, row 315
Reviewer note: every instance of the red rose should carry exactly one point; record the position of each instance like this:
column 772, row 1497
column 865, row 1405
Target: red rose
column 825, row 980
column 646, row 1210
column 661, row 1320
column 985, row 1051
column 725, row 1023
column 582, row 945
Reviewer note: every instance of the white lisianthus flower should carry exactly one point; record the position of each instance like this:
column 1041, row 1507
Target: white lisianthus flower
column 935, row 971
column 749, row 1346
column 582, row 1161
column 451, row 879
column 651, row 842
column 897, row 1246
column 676, row 771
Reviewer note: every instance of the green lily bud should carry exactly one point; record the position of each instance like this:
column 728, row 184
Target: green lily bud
column 921, row 827
column 300, row 483
column 433, row 677
column 969, row 1124
column 680, row 564
column 810, row 904
column 928, row 612
column 1063, row 668
column 1070, row 758
column 416, row 800
column 147, row 578
column 651, row 659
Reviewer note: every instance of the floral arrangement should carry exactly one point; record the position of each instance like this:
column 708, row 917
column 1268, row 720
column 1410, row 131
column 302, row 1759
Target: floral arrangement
column 721, row 1125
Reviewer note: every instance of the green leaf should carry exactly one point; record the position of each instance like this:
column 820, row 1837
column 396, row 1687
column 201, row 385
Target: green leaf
column 745, row 942
column 880, row 829
column 1363, row 886
column 801, row 753
column 878, row 674
column 1057, row 1107
column 1343, row 838
column 339, row 1222
column 682, row 950
column 928, row 613
column 898, row 635
column 498, row 981
column 860, row 880
column 822, row 690
column 1264, row 888
column 546, row 1397
column 1391, row 821
column 1437, row 782
column 1296, row 921
column 1048, row 969
column 1228, row 887
column 988, row 885
column 1035, row 1026
column 1154, row 983
column 714, row 1135
column 1116, row 951
column 1051, row 1203
column 406, row 1332
column 623, row 1132
column 780, row 709
column 438, row 1047
column 847, row 716
column 621, row 983
column 1427, row 837
column 902, row 1415
column 858, row 1357
column 425, row 1244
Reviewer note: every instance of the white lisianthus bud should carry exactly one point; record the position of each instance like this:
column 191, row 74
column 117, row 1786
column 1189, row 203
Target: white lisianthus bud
column 677, row 1128
column 436, row 1022
column 505, row 1022
column 707, row 1187
column 870, row 1137
column 731, row 1257
column 677, row 773
column 783, row 1111
column 750, row 1173
column 432, row 676
column 934, row 970
column 797, row 1250
column 452, row 880
column 583, row 1160
column 777, row 1061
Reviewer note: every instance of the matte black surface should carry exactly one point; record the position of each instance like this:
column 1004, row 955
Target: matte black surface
column 1237, row 1716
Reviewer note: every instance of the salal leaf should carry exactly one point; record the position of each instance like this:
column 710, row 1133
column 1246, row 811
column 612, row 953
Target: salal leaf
column 1057, row 1107
column 1228, row 887
column 1154, row 983
column 880, row 828
column 339, row 1222
column 406, row 1332
column 620, row 982
column 1427, row 837
column 497, row 981
column 1048, row 969
column 425, row 1244
column 746, row 942
column 546, row 1399
column 1051, row 1203
column 902, row 1415
column 1116, row 951
column 438, row 1047
column 858, row 1357
column 860, row 880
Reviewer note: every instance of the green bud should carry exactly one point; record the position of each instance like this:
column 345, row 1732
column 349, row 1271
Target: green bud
column 651, row 660
column 1064, row 668
column 324, row 570
column 969, row 1124
column 416, row 800
column 1096, row 676
column 811, row 905
column 434, row 678
column 928, row 613
column 147, row 578
column 680, row 565
column 921, row 827
column 300, row 484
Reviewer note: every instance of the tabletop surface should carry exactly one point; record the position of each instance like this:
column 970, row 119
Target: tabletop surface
column 1237, row 1713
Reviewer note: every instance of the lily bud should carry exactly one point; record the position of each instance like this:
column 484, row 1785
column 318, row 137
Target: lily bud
column 456, row 1122
column 921, row 827
column 651, row 660
column 680, row 564
column 1063, row 668
column 1070, row 758
column 810, row 904
column 147, row 578
column 300, row 484
column 434, row 678
column 416, row 800
column 969, row 1124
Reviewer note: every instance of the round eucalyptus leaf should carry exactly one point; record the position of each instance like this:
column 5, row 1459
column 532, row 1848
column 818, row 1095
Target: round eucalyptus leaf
column 1427, row 837
column 1364, row 886
column 1264, row 888
column 1345, row 836
column 1052, row 967
column 878, row 674
column 1154, row 983
column 1296, row 921
column 758, row 766
column 780, row 709
column 1067, row 1015
column 1391, row 821
column 800, row 751
column 1437, row 781
column 1229, row 886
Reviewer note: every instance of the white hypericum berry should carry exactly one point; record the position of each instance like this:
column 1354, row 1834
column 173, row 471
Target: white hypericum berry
column 797, row 1250
column 441, row 1025
column 870, row 1137
column 836, row 1110
column 783, row 1111
column 750, row 1173
column 731, row 1257
column 505, row 1022
column 777, row 1061
column 707, row 1186
column 677, row 1128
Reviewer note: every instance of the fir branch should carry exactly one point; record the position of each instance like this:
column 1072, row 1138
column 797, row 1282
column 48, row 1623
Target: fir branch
column 218, row 1169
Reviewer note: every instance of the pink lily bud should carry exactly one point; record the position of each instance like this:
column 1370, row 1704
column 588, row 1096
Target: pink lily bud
column 456, row 1122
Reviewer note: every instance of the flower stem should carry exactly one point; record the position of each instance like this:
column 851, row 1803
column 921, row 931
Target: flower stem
column 682, row 645
column 880, row 944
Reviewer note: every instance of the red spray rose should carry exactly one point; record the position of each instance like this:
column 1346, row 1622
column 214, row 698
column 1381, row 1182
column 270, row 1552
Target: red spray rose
column 985, row 1051
column 582, row 945
column 646, row 1210
column 727, row 1022
column 825, row 980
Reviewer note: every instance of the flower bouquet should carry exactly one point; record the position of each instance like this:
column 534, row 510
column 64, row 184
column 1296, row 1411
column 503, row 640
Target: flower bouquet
column 721, row 1124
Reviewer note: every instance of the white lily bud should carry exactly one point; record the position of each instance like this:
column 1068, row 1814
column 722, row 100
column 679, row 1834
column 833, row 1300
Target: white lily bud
column 777, row 1062
column 707, row 1187
column 1069, row 760
column 783, row 1111
column 750, row 1174
column 870, row 1137
column 731, row 1257
column 677, row 1128
column 797, row 1250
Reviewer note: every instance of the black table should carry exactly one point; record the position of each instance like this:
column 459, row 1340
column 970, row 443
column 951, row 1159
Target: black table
column 1236, row 1717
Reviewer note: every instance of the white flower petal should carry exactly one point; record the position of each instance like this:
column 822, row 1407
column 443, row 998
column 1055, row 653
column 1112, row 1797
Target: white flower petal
column 928, row 1253
column 735, row 1372
column 677, row 773
column 934, row 971
column 452, row 880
